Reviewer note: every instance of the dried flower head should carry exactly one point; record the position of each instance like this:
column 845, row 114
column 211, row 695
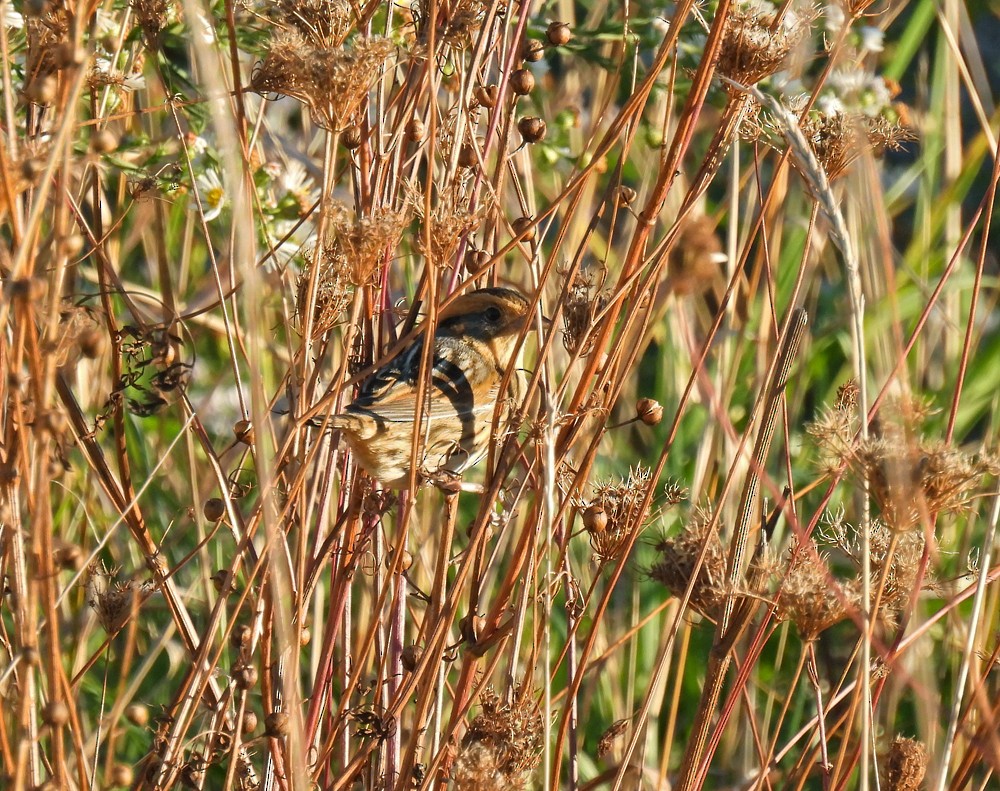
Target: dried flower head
column 679, row 554
column 152, row 18
column 583, row 304
column 332, row 81
column 904, row 766
column 361, row 243
column 837, row 139
column 323, row 23
column 899, row 565
column 807, row 595
column 449, row 222
column 333, row 290
column 610, row 737
column 114, row 602
column 503, row 744
column 755, row 43
column 458, row 22
column 622, row 504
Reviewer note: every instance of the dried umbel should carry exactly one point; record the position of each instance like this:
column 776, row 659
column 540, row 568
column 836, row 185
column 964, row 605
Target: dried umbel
column 362, row 242
column 808, row 595
column 449, row 222
column 114, row 602
column 895, row 568
column 332, row 81
column 678, row 557
column 333, row 290
column 324, row 23
column 458, row 22
column 904, row 766
column 583, row 304
column 503, row 744
column 622, row 503
column 838, row 139
column 755, row 43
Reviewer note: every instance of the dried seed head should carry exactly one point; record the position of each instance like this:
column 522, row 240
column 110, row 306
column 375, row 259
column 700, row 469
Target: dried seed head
column 904, row 766
column 532, row 129
column 847, row 396
column 404, row 564
column 137, row 714
column 558, row 34
column 214, row 509
column 487, row 95
column 614, row 732
column 533, row 51
column 755, row 46
column 678, row 557
column 503, row 744
column 808, row 596
column 114, row 602
column 622, row 503
column 522, row 82
column 351, row 137
column 649, row 411
column 584, row 302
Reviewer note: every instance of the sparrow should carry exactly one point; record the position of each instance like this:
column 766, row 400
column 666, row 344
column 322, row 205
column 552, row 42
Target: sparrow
column 474, row 345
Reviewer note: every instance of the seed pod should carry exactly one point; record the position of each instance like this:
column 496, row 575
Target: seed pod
column 276, row 724
column 532, row 129
column 404, row 564
column 411, row 657
column 649, row 411
column 533, row 50
column 249, row 721
column 467, row 156
column 121, row 775
column 240, row 636
column 243, row 431
column 626, row 195
column 415, row 130
column 471, row 628
column 103, row 142
column 487, row 95
column 595, row 519
column 476, row 261
column 214, row 509
column 524, row 225
column 522, row 81
column 245, row 677
column 55, row 713
column 351, row 137
column 558, row 34
column 137, row 714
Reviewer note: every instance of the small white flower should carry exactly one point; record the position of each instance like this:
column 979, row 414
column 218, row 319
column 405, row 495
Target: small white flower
column 212, row 192
column 197, row 144
column 835, row 18
column 830, row 104
column 872, row 39
column 11, row 19
column 272, row 169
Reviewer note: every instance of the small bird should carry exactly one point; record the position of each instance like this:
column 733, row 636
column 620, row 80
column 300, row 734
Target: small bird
column 474, row 346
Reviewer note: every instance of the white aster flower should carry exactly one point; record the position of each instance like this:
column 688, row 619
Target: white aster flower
column 212, row 192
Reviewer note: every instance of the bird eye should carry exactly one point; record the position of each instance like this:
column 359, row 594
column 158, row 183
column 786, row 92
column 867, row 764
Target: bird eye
column 492, row 313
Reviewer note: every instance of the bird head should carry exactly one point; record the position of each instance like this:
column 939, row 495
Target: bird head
column 494, row 316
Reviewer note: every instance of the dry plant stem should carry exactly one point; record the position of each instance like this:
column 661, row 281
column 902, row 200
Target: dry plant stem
column 970, row 644
column 727, row 633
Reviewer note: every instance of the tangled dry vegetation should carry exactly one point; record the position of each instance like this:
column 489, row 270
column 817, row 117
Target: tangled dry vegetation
column 742, row 535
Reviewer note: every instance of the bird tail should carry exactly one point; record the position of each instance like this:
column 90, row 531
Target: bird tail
column 347, row 423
